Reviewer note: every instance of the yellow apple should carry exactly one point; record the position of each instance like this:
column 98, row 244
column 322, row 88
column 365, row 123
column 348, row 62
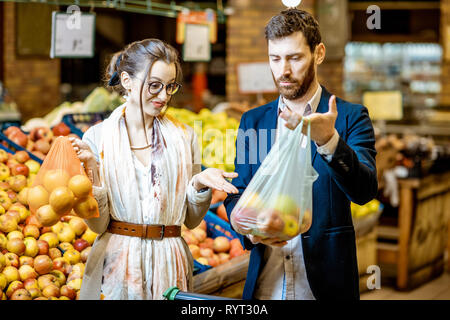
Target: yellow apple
column 51, row 238
column 89, row 236
column 73, row 256
column 66, row 234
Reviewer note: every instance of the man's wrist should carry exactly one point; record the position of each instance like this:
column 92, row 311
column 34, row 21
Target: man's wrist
column 326, row 140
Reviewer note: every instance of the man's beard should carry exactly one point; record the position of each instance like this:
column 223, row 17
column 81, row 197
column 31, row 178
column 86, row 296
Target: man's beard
column 297, row 88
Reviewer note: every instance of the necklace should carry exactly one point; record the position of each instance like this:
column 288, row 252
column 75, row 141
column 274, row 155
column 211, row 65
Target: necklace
column 134, row 147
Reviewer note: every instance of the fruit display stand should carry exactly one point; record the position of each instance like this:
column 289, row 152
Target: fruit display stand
column 411, row 250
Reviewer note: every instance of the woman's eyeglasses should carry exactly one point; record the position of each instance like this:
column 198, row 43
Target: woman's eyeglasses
column 156, row 87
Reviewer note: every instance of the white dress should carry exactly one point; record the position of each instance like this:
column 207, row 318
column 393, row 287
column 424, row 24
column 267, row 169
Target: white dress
column 143, row 269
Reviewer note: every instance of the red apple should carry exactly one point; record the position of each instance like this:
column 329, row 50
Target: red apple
column 61, row 129
column 13, row 286
column 68, row 292
column 54, row 253
column 25, row 260
column 20, row 169
column 43, row 264
column 31, row 231
column 80, row 244
column 16, row 246
column 51, row 291
column 19, row 138
column 43, row 247
column 31, row 283
column 207, row 243
column 61, row 264
column 46, row 280
column 32, row 219
column 21, row 294
column 214, row 260
column 42, row 146
column 18, row 182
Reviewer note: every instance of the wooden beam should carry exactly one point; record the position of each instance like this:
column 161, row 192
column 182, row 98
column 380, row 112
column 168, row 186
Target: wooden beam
column 404, row 222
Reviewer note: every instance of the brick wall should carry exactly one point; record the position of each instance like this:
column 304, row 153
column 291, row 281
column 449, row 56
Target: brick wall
column 246, row 43
column 33, row 83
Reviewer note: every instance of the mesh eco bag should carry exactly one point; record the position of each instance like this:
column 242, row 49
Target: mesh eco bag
column 278, row 200
column 61, row 185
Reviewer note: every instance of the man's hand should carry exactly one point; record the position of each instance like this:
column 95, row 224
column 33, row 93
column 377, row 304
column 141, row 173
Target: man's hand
column 322, row 124
column 275, row 242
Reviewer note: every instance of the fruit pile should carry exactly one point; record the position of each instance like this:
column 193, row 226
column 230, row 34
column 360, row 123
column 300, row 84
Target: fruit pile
column 216, row 134
column 370, row 207
column 209, row 251
column 36, row 262
column 39, row 140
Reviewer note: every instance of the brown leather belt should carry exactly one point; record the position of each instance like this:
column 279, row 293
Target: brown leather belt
column 147, row 231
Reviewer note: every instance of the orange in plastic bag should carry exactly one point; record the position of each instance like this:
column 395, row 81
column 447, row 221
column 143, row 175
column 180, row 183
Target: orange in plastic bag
column 61, row 187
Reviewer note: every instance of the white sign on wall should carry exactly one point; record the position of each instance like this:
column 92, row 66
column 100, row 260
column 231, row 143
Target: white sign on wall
column 197, row 45
column 255, row 77
column 73, row 35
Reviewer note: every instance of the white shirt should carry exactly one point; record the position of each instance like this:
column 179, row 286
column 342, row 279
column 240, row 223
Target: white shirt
column 284, row 275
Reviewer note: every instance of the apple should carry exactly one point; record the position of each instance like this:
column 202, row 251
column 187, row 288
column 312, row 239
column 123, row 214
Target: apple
column 207, row 243
column 213, row 261
column 15, row 235
column 35, row 293
column 5, row 172
column 78, row 225
column 221, row 244
column 4, row 185
column 2, row 261
column 31, row 231
column 291, row 226
column 8, row 223
column 27, row 272
column 25, row 260
column 60, row 276
column 61, row 264
column 270, row 222
column 51, row 291
column 80, row 245
column 61, row 129
column 41, row 298
column 243, row 219
column 11, row 163
column 13, row 286
column 89, row 236
column 43, row 247
column 21, row 294
column 3, row 156
column 3, row 282
column 223, row 257
column 18, row 182
column 12, row 259
column 42, row 146
column 43, row 264
column 12, row 196
column 11, row 273
column 46, row 280
column 57, row 227
column 19, row 138
column 31, row 283
column 3, row 240
column 21, row 156
column 32, row 219
column 66, row 234
column 16, row 246
column 195, row 251
column 51, row 238
column 23, row 211
column 65, row 246
column 23, row 195
column 199, row 233
column 206, row 252
column 5, row 201
column 73, row 256
column 54, row 253
column 85, row 254
column 68, row 292
column 20, row 169
column 203, row 261
column 13, row 214
column 235, row 252
column 42, row 133
column 47, row 229
column 31, row 245
column 33, row 165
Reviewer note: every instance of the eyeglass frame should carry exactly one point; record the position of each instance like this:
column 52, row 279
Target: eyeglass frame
column 164, row 86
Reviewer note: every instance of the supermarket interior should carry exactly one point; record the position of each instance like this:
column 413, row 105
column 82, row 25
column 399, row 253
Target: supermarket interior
column 393, row 57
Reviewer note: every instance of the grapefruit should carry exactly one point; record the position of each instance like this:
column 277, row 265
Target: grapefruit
column 55, row 178
column 81, row 186
column 47, row 216
column 86, row 208
column 62, row 200
column 37, row 197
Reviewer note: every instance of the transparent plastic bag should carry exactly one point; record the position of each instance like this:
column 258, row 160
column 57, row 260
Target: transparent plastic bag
column 278, row 200
column 61, row 187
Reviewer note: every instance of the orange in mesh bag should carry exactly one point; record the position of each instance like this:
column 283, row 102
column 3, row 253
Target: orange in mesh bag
column 61, row 187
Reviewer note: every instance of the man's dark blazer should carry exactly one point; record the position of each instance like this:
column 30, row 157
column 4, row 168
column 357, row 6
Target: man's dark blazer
column 329, row 247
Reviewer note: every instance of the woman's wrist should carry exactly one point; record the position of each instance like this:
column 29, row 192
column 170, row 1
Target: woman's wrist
column 197, row 185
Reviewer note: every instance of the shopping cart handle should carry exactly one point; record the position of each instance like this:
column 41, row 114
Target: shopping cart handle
column 174, row 293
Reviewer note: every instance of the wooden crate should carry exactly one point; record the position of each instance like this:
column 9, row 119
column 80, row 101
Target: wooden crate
column 416, row 247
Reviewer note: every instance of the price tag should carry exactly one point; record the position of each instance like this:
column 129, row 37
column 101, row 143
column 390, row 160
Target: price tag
column 197, row 46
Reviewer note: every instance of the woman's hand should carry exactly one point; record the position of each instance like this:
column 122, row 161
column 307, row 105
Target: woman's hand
column 86, row 156
column 216, row 179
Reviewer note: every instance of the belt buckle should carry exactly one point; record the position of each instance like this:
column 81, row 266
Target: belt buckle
column 163, row 227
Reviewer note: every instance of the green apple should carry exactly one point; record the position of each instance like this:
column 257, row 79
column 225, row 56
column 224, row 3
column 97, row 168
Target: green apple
column 33, row 165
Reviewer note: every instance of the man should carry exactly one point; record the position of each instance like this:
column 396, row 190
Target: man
column 321, row 263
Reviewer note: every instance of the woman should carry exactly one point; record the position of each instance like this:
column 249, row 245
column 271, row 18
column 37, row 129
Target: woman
column 146, row 172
